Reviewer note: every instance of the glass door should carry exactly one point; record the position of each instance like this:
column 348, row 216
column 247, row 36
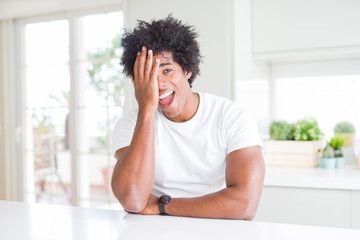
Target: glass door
column 73, row 95
column 47, row 86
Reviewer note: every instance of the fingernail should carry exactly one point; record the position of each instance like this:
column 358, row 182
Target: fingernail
column 149, row 52
column 138, row 53
column 143, row 48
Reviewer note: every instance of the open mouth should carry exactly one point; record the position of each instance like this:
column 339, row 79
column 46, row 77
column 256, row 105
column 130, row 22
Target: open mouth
column 166, row 98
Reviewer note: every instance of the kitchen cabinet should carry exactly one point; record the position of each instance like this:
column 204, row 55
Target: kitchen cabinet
column 311, row 196
column 355, row 209
column 318, row 207
column 298, row 28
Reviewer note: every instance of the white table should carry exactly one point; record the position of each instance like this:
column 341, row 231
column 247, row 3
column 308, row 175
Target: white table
column 37, row 221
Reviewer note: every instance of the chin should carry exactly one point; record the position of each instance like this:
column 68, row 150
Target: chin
column 170, row 114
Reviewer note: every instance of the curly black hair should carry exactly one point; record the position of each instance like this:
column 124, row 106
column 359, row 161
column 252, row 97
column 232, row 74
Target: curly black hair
column 167, row 34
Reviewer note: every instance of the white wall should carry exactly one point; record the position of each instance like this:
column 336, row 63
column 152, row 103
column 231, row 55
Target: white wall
column 251, row 78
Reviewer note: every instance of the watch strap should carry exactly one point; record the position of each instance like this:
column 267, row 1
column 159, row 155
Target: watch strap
column 163, row 200
column 162, row 209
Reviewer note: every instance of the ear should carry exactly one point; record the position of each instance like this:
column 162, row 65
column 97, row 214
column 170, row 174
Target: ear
column 188, row 75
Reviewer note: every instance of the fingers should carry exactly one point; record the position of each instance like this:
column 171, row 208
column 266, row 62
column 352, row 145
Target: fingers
column 136, row 67
column 143, row 65
column 155, row 70
column 148, row 65
column 142, row 60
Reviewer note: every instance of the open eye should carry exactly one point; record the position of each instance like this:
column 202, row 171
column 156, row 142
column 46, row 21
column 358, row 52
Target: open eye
column 167, row 70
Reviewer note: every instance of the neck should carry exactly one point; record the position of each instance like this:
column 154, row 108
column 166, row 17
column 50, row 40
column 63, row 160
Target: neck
column 191, row 106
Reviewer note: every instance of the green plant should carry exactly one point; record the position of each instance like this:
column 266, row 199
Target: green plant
column 328, row 151
column 282, row 130
column 344, row 127
column 336, row 143
column 106, row 77
column 307, row 130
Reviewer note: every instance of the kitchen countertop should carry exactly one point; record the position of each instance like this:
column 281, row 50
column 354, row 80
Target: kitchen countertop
column 347, row 178
column 42, row 221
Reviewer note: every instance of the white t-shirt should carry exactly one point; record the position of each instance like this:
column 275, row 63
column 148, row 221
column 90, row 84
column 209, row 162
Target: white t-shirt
column 190, row 157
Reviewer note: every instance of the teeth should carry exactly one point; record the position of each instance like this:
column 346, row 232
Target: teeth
column 164, row 95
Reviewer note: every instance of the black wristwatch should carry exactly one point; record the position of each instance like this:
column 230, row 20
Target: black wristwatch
column 163, row 200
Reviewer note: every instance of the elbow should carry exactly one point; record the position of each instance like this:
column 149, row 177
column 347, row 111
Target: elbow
column 247, row 211
column 129, row 200
column 132, row 205
column 245, row 214
column 250, row 210
column 249, row 215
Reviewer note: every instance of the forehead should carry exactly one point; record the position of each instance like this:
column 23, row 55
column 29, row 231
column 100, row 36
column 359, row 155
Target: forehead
column 166, row 59
column 164, row 56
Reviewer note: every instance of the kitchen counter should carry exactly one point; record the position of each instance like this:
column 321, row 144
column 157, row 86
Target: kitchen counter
column 347, row 178
column 40, row 221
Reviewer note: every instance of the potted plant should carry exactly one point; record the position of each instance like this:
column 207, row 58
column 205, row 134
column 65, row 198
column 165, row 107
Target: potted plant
column 345, row 130
column 282, row 130
column 307, row 130
column 295, row 145
column 328, row 157
column 336, row 143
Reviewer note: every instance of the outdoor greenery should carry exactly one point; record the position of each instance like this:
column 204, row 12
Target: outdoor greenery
column 106, row 77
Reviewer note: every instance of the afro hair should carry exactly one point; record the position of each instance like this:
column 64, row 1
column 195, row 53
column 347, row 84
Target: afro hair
column 167, row 34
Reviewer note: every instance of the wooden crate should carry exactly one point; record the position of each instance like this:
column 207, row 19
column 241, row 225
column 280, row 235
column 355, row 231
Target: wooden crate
column 292, row 153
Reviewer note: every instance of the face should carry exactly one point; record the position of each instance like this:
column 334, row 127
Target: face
column 176, row 100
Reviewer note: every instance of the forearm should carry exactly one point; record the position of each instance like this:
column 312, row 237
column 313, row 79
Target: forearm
column 245, row 172
column 133, row 175
column 228, row 203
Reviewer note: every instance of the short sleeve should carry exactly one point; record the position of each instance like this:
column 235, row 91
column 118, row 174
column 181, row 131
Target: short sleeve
column 124, row 130
column 241, row 129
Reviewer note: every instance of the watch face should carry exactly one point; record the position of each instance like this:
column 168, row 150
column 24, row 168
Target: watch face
column 165, row 199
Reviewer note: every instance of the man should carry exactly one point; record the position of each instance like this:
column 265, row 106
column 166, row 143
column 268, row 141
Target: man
column 182, row 153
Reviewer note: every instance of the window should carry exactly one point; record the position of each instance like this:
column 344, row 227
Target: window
column 328, row 99
column 325, row 90
column 73, row 95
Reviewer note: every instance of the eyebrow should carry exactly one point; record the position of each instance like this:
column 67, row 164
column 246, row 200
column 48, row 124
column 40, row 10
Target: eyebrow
column 164, row 64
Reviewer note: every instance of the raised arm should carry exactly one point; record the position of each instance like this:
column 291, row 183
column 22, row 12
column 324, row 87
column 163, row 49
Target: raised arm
column 245, row 172
column 133, row 175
